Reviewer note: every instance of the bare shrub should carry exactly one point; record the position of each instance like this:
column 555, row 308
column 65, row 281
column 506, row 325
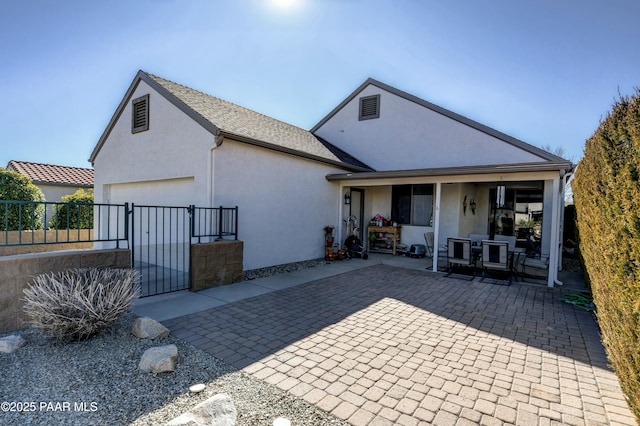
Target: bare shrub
column 78, row 303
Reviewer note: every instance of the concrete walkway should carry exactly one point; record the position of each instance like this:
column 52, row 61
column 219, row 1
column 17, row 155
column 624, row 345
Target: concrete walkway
column 389, row 345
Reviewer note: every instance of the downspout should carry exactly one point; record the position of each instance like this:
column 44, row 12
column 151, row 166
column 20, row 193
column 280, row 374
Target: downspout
column 436, row 227
column 217, row 141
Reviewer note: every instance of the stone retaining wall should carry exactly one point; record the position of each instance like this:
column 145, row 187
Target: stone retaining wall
column 16, row 272
column 216, row 264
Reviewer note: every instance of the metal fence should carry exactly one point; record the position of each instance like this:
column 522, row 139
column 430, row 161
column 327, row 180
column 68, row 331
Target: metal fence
column 30, row 223
column 159, row 237
column 218, row 222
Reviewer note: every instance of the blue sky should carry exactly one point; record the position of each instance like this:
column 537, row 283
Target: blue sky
column 544, row 71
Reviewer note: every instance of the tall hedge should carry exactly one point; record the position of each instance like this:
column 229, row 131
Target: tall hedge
column 19, row 216
column 607, row 198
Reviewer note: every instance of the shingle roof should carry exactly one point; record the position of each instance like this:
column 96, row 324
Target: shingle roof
column 53, row 174
column 223, row 118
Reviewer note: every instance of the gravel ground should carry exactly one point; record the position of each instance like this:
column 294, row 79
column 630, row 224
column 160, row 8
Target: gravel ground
column 279, row 269
column 101, row 376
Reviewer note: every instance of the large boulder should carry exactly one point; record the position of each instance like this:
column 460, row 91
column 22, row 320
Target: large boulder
column 147, row 328
column 11, row 343
column 160, row 359
column 218, row 410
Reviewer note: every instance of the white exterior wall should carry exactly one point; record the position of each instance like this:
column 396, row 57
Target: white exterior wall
column 410, row 136
column 174, row 147
column 54, row 193
column 284, row 202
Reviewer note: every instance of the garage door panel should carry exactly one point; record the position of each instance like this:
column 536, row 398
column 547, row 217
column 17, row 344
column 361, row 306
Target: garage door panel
column 168, row 192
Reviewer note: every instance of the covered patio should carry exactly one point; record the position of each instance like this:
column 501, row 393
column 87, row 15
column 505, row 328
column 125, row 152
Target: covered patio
column 524, row 202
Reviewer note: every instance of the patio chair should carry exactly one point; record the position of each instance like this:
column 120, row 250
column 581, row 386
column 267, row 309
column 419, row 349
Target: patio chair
column 539, row 264
column 509, row 239
column 428, row 239
column 459, row 253
column 476, row 239
column 495, row 256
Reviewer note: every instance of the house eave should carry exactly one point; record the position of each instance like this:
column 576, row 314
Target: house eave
column 296, row 153
column 560, row 167
column 65, row 184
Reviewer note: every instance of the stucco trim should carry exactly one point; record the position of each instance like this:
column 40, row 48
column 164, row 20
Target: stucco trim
column 445, row 112
column 561, row 167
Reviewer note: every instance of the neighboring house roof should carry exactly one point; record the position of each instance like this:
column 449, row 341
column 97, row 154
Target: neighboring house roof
column 53, row 174
column 223, row 118
column 545, row 155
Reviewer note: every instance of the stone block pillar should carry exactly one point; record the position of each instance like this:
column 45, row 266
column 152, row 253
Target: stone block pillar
column 215, row 264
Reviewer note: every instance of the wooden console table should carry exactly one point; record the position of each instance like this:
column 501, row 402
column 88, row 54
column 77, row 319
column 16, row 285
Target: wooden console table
column 388, row 243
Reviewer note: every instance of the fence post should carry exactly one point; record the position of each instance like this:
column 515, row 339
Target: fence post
column 192, row 223
column 126, row 225
column 236, row 220
column 219, row 224
column 132, row 235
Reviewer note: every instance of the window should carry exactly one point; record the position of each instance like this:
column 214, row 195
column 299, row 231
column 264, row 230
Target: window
column 140, row 114
column 369, row 107
column 412, row 204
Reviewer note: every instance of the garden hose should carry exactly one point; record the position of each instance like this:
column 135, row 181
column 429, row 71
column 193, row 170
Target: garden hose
column 579, row 300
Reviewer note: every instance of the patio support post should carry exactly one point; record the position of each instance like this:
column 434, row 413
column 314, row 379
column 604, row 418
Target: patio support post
column 555, row 231
column 436, row 227
column 340, row 234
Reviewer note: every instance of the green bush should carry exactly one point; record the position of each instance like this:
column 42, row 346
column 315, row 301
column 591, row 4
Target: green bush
column 77, row 213
column 79, row 303
column 607, row 198
column 23, row 215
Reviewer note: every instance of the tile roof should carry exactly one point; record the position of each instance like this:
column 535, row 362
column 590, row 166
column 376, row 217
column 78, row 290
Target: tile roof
column 234, row 120
column 53, row 174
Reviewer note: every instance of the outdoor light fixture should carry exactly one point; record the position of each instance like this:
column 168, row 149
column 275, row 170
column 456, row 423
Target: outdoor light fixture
column 472, row 205
column 347, row 198
column 500, row 193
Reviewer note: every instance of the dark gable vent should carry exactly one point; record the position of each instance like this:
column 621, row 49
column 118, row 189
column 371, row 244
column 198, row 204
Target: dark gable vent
column 140, row 114
column 369, row 107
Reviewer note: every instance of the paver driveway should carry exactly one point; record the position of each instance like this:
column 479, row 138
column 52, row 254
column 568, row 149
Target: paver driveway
column 387, row 345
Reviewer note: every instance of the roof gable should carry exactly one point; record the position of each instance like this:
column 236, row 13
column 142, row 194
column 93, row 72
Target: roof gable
column 223, row 118
column 544, row 155
column 53, row 174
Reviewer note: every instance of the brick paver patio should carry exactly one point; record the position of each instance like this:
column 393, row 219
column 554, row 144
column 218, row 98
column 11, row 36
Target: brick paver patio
column 393, row 346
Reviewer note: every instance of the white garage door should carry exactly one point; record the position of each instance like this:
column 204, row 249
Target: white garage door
column 168, row 192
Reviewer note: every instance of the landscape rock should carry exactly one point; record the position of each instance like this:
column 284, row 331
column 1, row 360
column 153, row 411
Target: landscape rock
column 147, row 328
column 160, row 359
column 10, row 344
column 218, row 410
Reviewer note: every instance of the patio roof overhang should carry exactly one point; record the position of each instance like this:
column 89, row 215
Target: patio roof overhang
column 561, row 167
